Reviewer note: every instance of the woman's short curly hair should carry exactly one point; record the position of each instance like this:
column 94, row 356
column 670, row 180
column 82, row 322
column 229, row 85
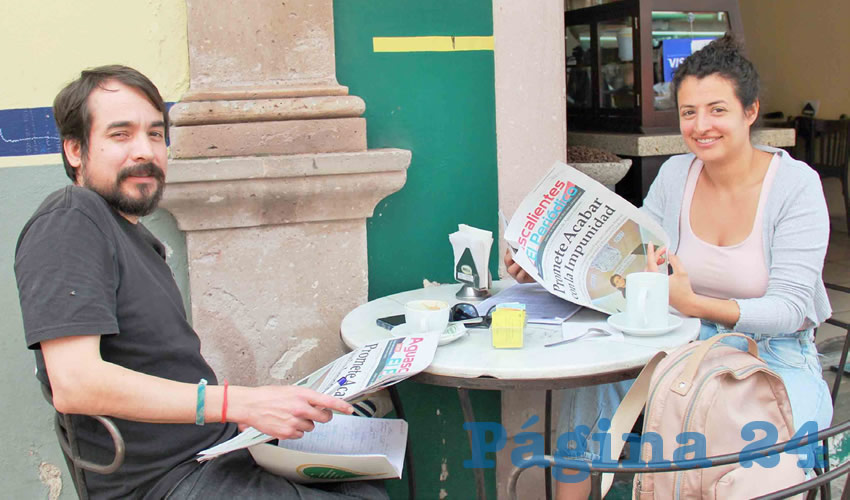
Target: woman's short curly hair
column 724, row 57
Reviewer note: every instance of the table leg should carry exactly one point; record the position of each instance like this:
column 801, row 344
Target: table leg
column 469, row 416
column 408, row 452
column 547, row 441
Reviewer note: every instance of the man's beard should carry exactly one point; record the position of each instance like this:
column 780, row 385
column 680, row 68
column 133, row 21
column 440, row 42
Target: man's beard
column 126, row 205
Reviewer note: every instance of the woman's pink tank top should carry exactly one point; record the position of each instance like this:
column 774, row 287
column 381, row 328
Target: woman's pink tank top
column 736, row 271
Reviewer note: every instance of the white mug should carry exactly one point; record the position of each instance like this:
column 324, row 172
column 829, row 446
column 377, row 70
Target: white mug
column 647, row 300
column 426, row 315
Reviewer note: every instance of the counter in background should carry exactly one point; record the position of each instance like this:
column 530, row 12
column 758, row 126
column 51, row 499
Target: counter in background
column 649, row 151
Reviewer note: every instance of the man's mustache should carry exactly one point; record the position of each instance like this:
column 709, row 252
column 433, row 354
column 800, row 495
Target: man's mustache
column 142, row 170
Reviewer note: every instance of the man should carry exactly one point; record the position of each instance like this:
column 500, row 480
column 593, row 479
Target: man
column 106, row 320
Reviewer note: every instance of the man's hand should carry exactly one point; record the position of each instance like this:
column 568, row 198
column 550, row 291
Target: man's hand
column 515, row 270
column 285, row 412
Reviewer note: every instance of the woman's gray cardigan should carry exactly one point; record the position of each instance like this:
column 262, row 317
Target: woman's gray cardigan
column 796, row 233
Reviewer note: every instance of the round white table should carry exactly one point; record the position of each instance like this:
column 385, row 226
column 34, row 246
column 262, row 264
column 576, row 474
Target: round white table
column 473, row 363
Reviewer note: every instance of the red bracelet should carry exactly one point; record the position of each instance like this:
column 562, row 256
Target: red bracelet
column 224, row 404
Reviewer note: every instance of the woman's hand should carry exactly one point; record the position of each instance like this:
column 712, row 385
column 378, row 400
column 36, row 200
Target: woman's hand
column 515, row 270
column 654, row 258
column 682, row 295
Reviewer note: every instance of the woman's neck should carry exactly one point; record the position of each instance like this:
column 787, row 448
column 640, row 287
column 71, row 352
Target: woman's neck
column 739, row 171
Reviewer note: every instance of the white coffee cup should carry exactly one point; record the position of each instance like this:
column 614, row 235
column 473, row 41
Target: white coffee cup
column 647, row 300
column 426, row 315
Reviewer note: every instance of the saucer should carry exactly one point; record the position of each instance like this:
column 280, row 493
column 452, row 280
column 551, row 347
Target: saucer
column 452, row 332
column 618, row 321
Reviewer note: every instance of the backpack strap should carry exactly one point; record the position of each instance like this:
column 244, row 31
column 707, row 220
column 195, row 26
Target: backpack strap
column 627, row 413
column 683, row 384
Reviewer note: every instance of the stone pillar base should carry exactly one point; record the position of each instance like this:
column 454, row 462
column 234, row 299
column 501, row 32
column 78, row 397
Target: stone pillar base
column 277, row 254
column 265, row 317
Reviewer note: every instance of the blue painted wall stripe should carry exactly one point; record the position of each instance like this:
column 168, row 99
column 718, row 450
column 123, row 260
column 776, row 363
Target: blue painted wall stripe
column 28, row 131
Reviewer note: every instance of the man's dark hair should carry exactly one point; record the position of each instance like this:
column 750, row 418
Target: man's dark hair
column 723, row 57
column 70, row 108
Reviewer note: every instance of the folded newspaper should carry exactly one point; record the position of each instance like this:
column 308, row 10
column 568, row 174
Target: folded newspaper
column 347, row 448
column 580, row 240
column 364, row 370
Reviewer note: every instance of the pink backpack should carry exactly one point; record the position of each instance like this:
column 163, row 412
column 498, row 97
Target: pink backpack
column 715, row 390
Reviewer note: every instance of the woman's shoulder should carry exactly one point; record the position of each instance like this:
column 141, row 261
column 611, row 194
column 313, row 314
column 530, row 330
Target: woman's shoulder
column 675, row 169
column 792, row 173
column 796, row 188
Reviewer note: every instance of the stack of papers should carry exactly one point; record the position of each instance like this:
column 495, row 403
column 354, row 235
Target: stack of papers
column 346, row 448
column 540, row 305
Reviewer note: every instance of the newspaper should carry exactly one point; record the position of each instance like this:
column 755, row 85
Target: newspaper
column 345, row 449
column 580, row 240
column 364, row 370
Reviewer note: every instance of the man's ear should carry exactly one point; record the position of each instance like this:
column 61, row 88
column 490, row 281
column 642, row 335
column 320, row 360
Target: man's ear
column 73, row 152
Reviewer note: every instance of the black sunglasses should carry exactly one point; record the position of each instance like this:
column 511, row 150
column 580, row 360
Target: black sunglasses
column 464, row 311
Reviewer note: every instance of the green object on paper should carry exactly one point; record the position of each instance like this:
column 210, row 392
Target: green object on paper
column 328, row 472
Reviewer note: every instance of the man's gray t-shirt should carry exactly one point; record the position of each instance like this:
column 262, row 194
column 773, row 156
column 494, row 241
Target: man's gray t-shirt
column 83, row 269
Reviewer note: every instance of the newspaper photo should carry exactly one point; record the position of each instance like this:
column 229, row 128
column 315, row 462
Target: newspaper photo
column 363, row 370
column 580, row 240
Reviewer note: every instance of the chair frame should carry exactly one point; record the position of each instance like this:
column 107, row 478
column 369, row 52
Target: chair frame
column 696, row 463
column 836, row 385
column 827, row 151
column 70, row 449
column 821, row 481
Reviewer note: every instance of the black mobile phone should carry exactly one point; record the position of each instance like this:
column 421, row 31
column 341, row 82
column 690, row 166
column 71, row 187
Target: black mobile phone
column 390, row 321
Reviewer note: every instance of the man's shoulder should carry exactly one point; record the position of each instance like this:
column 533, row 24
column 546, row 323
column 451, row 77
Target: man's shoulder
column 72, row 197
column 70, row 203
column 75, row 199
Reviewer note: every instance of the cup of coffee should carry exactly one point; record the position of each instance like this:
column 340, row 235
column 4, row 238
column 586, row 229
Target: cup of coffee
column 426, row 315
column 647, row 300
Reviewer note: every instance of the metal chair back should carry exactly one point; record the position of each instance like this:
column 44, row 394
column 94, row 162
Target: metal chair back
column 820, row 482
column 825, row 145
column 836, row 385
column 596, row 471
column 70, row 449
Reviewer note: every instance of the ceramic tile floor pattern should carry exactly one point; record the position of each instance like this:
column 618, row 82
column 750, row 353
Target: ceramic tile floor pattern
column 830, row 340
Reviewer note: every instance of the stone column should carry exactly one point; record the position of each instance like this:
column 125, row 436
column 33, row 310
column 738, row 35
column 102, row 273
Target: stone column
column 272, row 182
column 531, row 126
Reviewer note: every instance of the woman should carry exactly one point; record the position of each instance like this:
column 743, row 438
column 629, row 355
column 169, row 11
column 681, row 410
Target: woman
column 749, row 230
